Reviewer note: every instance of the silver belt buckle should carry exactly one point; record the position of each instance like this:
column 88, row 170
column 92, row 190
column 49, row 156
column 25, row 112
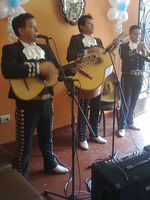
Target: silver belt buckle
column 137, row 73
column 45, row 96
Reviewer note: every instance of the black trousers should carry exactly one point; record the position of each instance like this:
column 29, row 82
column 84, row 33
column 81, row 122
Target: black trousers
column 92, row 105
column 31, row 115
column 131, row 86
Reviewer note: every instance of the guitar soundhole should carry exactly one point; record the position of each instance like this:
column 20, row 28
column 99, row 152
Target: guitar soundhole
column 92, row 60
column 99, row 61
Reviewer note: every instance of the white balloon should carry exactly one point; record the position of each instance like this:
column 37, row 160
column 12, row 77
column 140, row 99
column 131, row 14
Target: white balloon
column 125, row 16
column 23, row 1
column 127, row 2
column 112, row 13
column 13, row 12
column 3, row 9
column 19, row 10
column 114, row 3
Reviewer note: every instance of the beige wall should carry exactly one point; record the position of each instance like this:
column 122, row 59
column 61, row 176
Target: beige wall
column 51, row 22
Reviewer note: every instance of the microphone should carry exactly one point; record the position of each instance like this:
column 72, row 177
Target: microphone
column 45, row 37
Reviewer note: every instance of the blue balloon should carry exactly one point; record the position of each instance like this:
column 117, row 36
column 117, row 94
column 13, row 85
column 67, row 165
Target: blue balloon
column 122, row 6
column 13, row 3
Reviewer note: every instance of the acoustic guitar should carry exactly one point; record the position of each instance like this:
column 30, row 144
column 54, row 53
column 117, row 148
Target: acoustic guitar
column 28, row 88
column 90, row 77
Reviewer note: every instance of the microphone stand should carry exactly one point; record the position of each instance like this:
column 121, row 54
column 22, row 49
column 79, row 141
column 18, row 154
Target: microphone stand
column 119, row 89
column 117, row 83
column 70, row 87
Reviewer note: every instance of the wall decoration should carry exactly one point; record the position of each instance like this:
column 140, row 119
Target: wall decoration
column 73, row 9
column 118, row 12
column 10, row 9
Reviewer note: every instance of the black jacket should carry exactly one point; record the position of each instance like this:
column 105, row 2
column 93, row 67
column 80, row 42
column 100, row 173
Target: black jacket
column 76, row 47
column 13, row 63
column 131, row 60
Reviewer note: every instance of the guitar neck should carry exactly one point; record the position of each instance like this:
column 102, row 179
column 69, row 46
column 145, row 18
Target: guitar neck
column 71, row 65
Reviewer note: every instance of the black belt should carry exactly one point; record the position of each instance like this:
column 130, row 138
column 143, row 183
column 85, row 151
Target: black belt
column 43, row 97
column 134, row 72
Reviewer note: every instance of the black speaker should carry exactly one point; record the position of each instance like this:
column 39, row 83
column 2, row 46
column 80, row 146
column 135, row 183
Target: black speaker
column 124, row 179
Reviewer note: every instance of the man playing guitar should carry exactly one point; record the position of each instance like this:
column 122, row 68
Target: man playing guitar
column 80, row 44
column 26, row 59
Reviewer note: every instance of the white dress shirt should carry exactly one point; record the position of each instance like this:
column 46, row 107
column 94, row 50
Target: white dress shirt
column 33, row 51
column 89, row 41
column 133, row 45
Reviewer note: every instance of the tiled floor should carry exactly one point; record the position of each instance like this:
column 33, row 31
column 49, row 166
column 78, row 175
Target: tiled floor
column 62, row 148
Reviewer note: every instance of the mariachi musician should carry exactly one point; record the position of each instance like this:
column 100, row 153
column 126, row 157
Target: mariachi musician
column 85, row 43
column 134, row 53
column 21, row 60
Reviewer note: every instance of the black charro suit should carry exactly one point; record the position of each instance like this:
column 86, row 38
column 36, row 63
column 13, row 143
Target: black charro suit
column 75, row 49
column 29, row 114
column 13, row 60
column 131, row 83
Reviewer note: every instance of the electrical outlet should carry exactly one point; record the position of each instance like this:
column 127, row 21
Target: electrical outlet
column 4, row 118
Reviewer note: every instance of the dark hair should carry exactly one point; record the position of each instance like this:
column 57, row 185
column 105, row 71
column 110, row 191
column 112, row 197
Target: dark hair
column 133, row 27
column 82, row 20
column 20, row 22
